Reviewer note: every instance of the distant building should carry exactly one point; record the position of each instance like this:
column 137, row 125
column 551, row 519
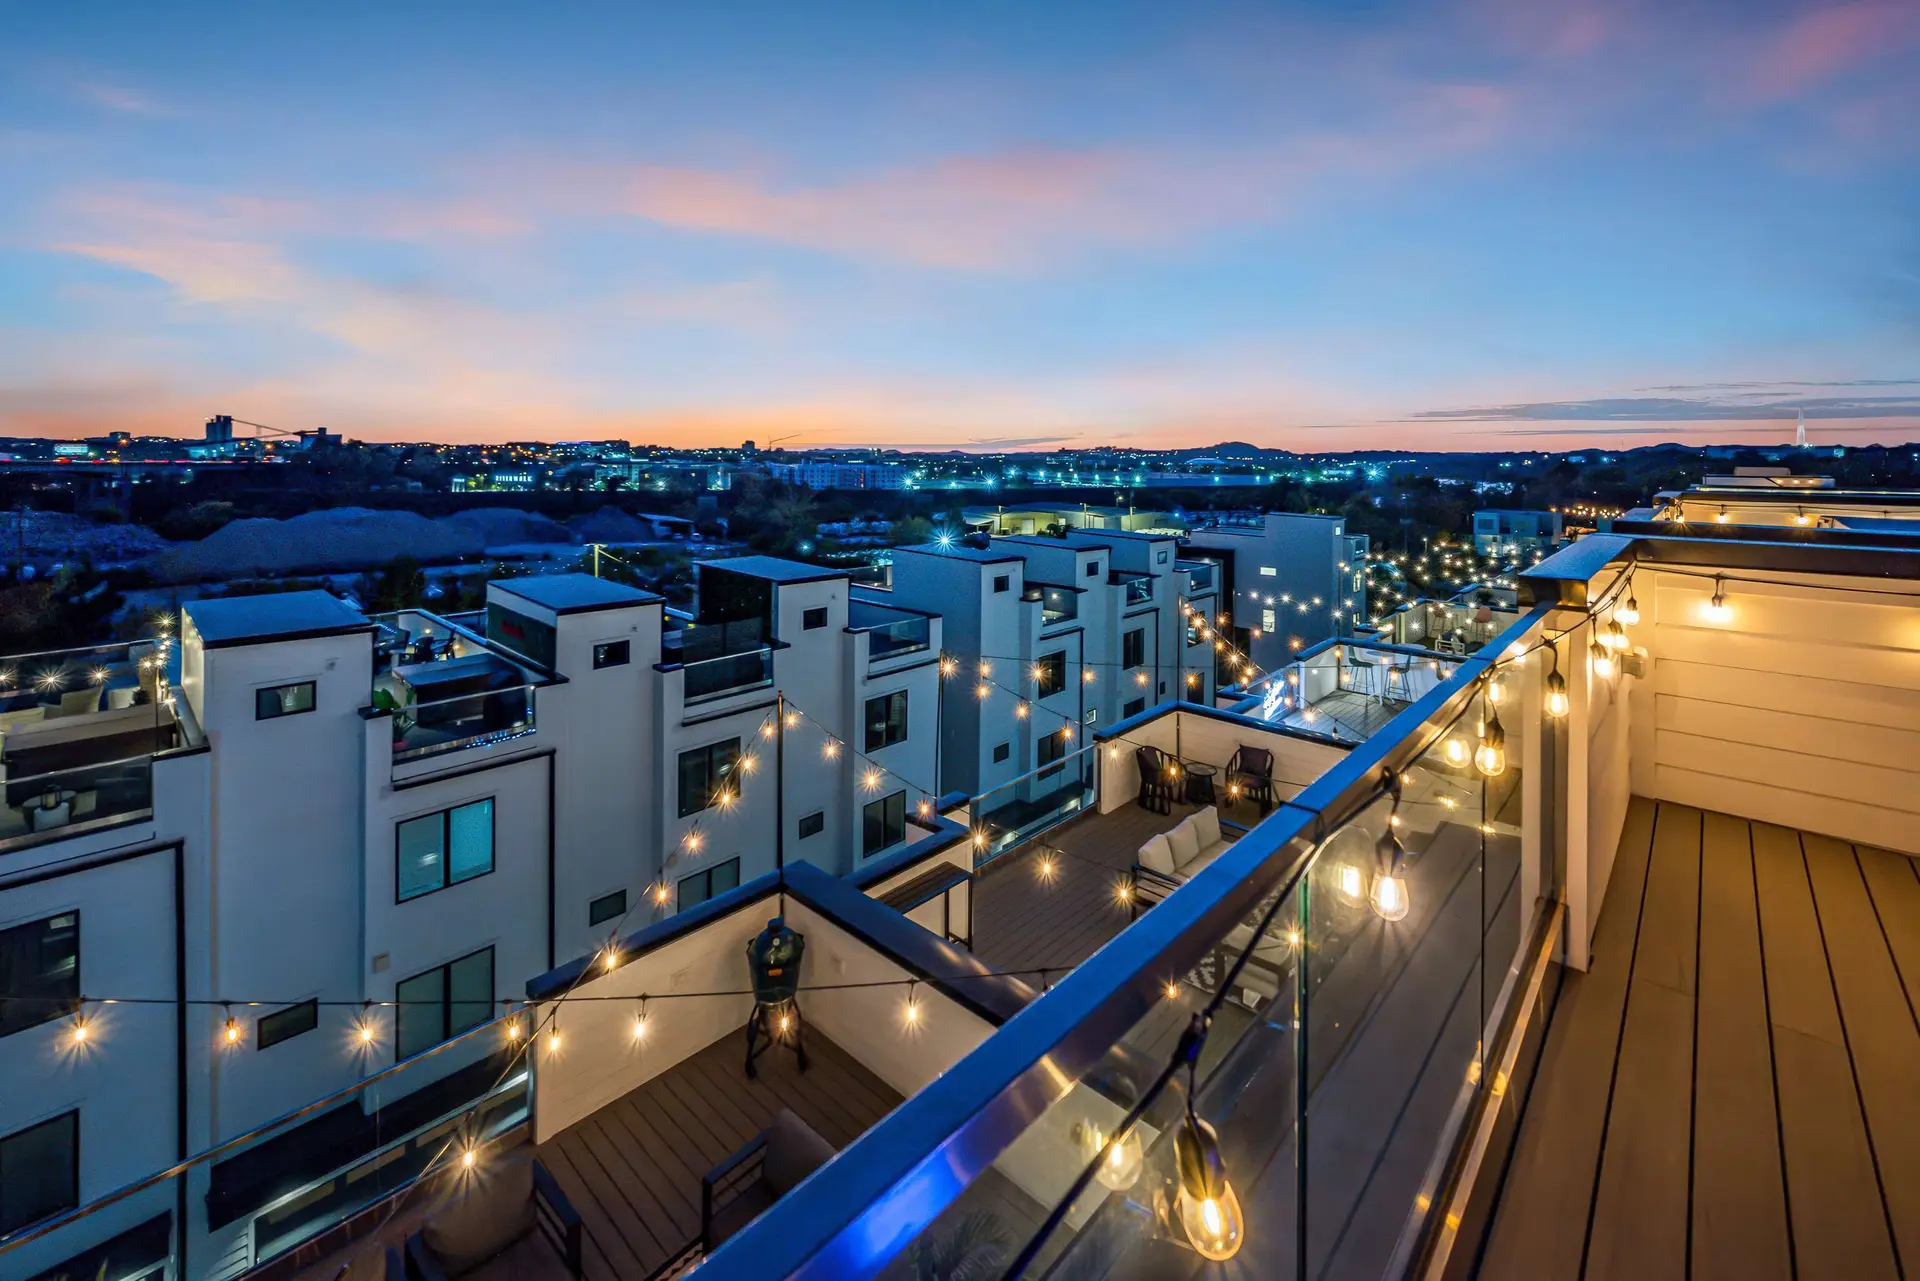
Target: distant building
column 826, row 474
column 1511, row 533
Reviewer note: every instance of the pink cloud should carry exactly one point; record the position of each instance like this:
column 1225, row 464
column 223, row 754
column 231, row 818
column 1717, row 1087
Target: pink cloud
column 1820, row 45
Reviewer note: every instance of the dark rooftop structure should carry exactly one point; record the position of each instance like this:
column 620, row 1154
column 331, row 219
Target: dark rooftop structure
column 961, row 551
column 774, row 569
column 575, row 593
column 247, row 620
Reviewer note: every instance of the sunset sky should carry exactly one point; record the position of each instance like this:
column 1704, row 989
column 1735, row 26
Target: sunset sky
column 1498, row 224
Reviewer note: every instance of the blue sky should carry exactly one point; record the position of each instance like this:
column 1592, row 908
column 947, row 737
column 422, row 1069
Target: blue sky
column 1329, row 225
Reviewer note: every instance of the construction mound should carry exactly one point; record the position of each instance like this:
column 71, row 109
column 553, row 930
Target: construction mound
column 345, row 538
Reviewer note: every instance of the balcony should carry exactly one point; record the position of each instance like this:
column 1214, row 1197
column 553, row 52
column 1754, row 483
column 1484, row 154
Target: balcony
column 718, row 659
column 1200, row 576
column 1347, row 690
column 1137, row 587
column 1057, row 604
column 79, row 730
column 891, row 632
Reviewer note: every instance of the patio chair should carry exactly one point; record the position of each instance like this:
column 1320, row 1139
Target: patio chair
column 741, row 1188
column 499, row 1214
column 1251, row 770
column 1156, row 782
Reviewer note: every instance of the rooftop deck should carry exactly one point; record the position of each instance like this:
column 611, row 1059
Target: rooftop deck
column 1733, row 1088
column 633, row 1168
column 1023, row 923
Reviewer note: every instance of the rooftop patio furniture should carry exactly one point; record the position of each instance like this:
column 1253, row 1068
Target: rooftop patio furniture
column 1251, row 772
column 500, row 1211
column 773, row 1162
column 1156, row 780
column 1170, row 858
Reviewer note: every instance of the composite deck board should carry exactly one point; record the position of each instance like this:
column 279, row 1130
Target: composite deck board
column 1739, row 1199
column 633, row 1168
column 1540, row 1225
column 1760, row 1091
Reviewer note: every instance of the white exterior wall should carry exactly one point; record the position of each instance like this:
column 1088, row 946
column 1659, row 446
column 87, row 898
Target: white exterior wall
column 1306, row 554
column 912, row 765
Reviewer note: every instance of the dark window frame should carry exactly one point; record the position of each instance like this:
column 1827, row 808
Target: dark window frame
column 71, row 1119
column 269, row 696
column 1133, row 648
column 1133, row 708
column 445, row 816
column 616, row 653
column 1001, row 751
column 705, row 876
column 818, row 821
column 1049, row 748
column 713, row 779
column 447, row 1030
column 265, row 1030
column 1002, row 582
column 812, row 620
column 595, row 916
column 1053, row 674
column 892, row 828
column 39, row 1001
column 892, row 722
column 1093, row 569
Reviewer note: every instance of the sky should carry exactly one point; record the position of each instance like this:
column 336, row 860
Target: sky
column 1345, row 224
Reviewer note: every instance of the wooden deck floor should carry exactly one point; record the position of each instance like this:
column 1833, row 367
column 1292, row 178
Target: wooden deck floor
column 1733, row 1088
column 1347, row 715
column 633, row 1168
column 1023, row 923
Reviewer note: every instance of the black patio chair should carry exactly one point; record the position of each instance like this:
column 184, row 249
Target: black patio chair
column 1156, row 780
column 1251, row 772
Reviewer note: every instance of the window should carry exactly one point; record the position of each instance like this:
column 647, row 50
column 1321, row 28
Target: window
column 444, row 848
column 1162, row 558
column 1001, row 751
column 39, row 1171
column 608, row 907
column 1053, row 747
column 883, row 823
column 886, row 720
column 1093, row 570
column 282, row 700
column 814, row 619
column 1267, row 620
column 1133, row 648
column 704, row 772
column 1268, row 571
column 1001, row 582
column 284, row 1025
column 612, row 654
column 813, row 824
column 1051, row 674
column 40, row 967
column 1134, row 708
column 709, row 883
column 443, row 1002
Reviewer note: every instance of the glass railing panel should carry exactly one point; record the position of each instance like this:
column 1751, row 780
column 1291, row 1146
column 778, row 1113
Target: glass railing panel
column 903, row 636
column 728, row 674
column 1015, row 812
column 1139, row 590
column 75, row 798
column 467, row 720
column 1058, row 605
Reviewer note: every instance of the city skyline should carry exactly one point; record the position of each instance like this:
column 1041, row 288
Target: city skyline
column 1477, row 226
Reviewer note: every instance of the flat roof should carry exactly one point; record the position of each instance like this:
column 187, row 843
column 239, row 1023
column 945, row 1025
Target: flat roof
column 962, row 551
column 574, row 593
column 247, row 620
column 774, row 569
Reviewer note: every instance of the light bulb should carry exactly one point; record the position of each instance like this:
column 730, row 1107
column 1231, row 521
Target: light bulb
column 467, row 1158
column 1389, row 897
column 79, row 1031
column 1721, row 517
column 1718, row 611
column 1615, row 636
column 1490, row 758
column 1556, row 693
column 553, row 1041
column 1629, row 613
column 1119, row 1160
column 1209, row 1211
column 1496, row 689
column 1602, row 660
column 233, row 1031
column 1456, row 752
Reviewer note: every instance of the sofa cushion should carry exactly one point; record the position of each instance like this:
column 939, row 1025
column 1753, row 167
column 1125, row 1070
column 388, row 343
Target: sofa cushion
column 1203, row 860
column 794, row 1151
column 1156, row 855
column 1206, row 825
column 1185, row 842
column 483, row 1221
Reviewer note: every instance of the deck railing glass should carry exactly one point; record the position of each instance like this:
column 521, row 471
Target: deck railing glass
column 1354, row 951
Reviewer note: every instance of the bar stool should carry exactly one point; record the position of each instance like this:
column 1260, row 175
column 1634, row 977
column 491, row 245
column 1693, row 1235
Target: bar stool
column 1399, row 682
column 1364, row 682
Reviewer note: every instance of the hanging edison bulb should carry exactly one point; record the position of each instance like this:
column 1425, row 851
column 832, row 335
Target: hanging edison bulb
column 1602, row 660
column 1490, row 758
column 1496, row 689
column 1388, row 897
column 1209, row 1211
column 1718, row 611
column 1629, row 613
column 1456, row 752
column 1615, row 636
column 1117, row 1162
column 1557, row 703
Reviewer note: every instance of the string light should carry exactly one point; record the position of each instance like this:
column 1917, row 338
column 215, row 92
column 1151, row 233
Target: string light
column 1629, row 613
column 80, row 1029
column 1718, row 611
column 640, row 1021
column 553, row 1033
column 1119, row 1159
column 231, row 1033
column 1490, row 758
column 1557, row 704
column 831, row 748
column 1615, row 636
column 1209, row 1210
column 1602, row 660
column 948, row 667
column 1046, row 868
column 911, row 1013
column 1496, row 689
column 872, row 780
column 1455, row 751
